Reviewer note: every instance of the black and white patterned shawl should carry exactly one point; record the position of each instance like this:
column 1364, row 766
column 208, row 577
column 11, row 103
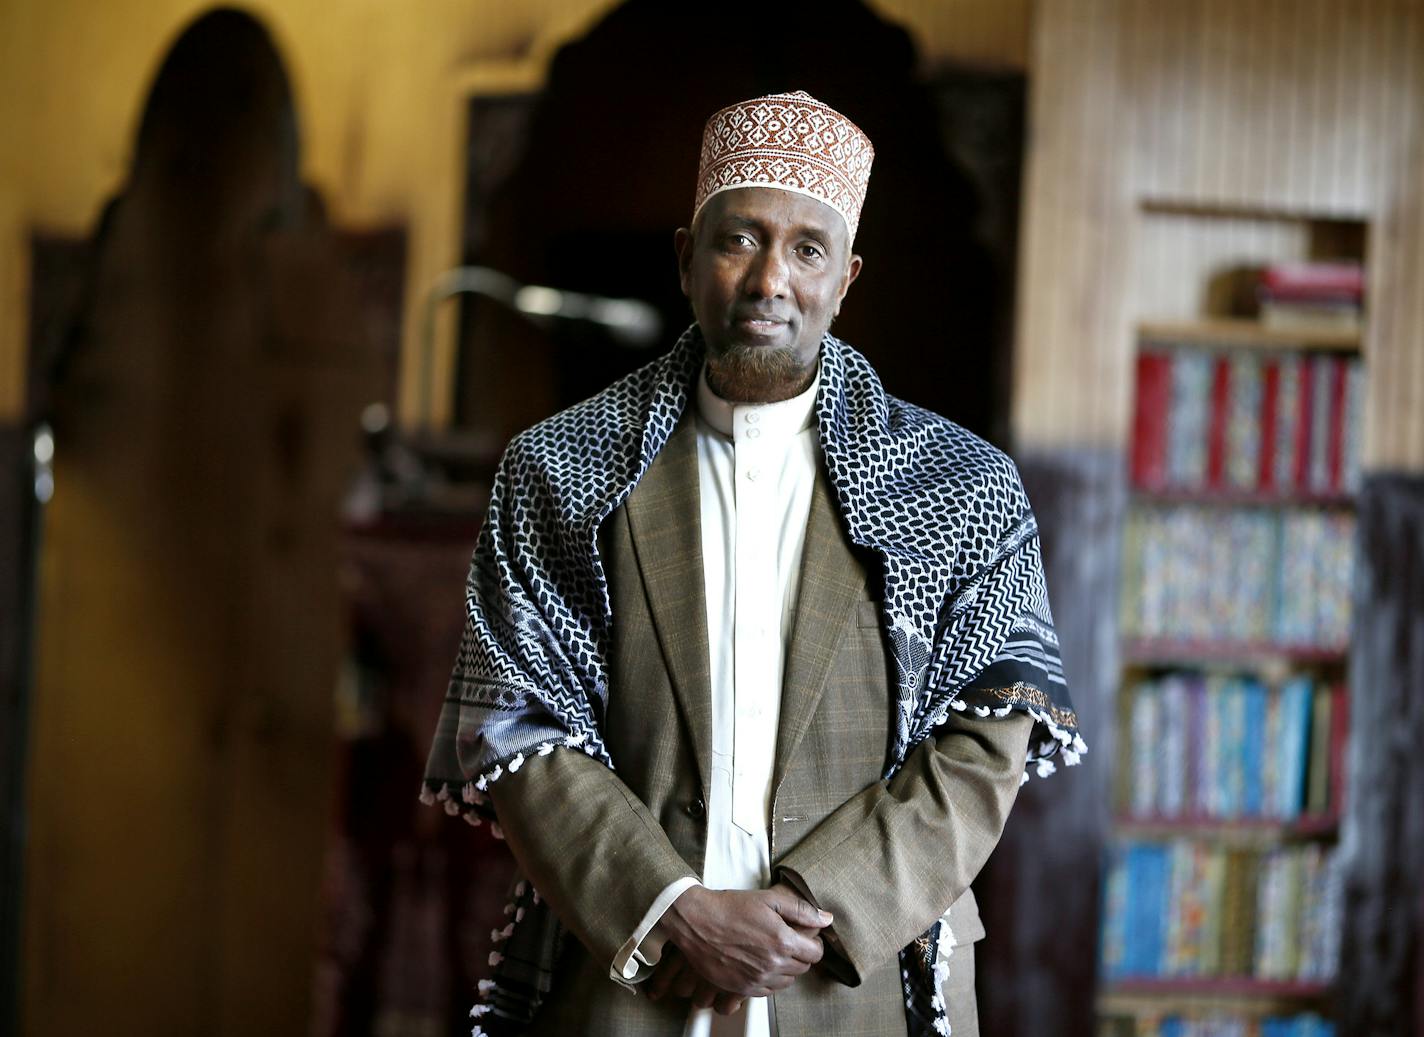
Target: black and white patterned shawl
column 965, row 607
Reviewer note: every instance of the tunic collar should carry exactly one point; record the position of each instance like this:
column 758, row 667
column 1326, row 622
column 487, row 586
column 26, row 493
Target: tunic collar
column 752, row 422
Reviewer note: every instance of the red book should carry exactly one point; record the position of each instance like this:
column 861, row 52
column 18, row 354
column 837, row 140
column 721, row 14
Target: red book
column 1314, row 280
column 1216, row 427
column 1301, row 476
column 1270, row 389
column 1149, row 421
column 1338, row 372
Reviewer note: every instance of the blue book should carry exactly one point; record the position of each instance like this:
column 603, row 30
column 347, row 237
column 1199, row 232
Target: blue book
column 1159, row 871
column 1234, row 726
column 1254, row 739
column 1146, row 908
column 1296, row 706
column 1171, row 1027
column 1132, row 909
column 1114, row 932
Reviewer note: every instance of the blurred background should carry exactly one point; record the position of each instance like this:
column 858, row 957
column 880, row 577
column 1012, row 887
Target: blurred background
column 278, row 282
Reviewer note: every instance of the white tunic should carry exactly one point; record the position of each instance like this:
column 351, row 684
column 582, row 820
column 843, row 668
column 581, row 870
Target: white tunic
column 756, row 471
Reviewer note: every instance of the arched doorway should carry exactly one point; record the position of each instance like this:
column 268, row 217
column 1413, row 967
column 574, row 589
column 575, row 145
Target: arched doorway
column 204, row 401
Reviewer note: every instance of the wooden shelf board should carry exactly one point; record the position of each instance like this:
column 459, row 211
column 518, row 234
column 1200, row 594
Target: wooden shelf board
column 1209, row 996
column 1239, row 498
column 1240, row 331
column 1169, row 651
column 1238, row 830
column 1232, row 209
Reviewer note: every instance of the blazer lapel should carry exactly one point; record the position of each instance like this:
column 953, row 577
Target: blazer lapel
column 832, row 581
column 664, row 520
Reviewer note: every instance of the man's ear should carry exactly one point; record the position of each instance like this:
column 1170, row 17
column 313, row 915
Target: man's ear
column 682, row 243
column 852, row 272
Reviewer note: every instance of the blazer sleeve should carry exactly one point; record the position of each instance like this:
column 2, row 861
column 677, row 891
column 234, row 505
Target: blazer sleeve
column 590, row 846
column 892, row 859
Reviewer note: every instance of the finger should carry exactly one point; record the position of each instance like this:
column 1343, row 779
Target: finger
column 728, row 1004
column 705, row 994
column 776, row 982
column 800, row 951
column 797, row 911
column 668, row 971
column 687, row 984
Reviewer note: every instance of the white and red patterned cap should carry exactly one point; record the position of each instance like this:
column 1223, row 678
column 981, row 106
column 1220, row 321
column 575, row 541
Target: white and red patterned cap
column 791, row 142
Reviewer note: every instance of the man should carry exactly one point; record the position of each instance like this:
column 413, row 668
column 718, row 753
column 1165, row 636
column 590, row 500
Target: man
column 754, row 653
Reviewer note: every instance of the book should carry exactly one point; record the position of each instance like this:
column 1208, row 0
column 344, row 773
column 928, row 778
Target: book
column 1287, row 431
column 1322, row 381
column 1294, row 745
column 1353, row 427
column 1317, row 794
column 1310, row 314
column 1146, row 724
column 1149, row 426
column 1238, row 913
column 1218, row 417
column 1171, row 799
column 1244, row 422
column 1254, row 748
column 1343, row 279
column 1114, row 927
column 1190, row 417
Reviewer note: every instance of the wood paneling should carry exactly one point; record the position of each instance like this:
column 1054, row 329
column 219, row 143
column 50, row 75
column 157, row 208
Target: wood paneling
column 1306, row 107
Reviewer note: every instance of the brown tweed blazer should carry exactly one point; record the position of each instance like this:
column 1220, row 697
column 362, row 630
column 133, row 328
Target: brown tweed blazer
column 886, row 859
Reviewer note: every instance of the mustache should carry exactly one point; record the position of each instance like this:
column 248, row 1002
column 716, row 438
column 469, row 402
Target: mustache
column 759, row 313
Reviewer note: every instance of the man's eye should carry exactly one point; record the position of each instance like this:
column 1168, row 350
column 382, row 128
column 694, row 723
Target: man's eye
column 739, row 241
column 810, row 252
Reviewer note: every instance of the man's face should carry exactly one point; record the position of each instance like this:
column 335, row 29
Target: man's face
column 766, row 271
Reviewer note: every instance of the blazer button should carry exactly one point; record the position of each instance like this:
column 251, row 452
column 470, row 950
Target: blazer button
column 696, row 809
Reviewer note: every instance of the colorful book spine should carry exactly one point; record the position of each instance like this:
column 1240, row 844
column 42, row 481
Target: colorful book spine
column 1192, row 372
column 1172, row 784
column 1353, row 432
column 1304, row 426
column 1294, row 745
column 1244, row 423
column 1288, row 422
column 1149, row 426
column 1321, row 433
column 1219, row 411
column 1239, row 421
column 1114, row 927
column 1254, row 742
column 1317, row 791
column 1186, row 908
column 1145, row 763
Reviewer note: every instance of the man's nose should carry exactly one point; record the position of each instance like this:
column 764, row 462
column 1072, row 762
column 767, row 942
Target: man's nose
column 768, row 276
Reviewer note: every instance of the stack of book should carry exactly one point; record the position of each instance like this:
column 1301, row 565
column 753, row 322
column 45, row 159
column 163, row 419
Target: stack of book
column 1185, row 908
column 1239, row 574
column 1221, row 748
column 1238, row 421
column 1216, row 1026
column 1326, row 296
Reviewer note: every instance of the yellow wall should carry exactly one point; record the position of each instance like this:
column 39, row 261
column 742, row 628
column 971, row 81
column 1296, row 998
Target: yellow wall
column 379, row 90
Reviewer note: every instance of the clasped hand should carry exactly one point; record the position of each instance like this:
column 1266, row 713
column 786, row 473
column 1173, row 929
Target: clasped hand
column 724, row 946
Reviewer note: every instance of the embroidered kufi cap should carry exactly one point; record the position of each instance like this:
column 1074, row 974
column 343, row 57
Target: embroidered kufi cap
column 792, row 142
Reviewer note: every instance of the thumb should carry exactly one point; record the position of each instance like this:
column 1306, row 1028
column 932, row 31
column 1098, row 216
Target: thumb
column 798, row 911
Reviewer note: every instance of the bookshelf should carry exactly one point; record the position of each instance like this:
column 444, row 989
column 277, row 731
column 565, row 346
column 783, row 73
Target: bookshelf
column 1222, row 896
column 1248, row 333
